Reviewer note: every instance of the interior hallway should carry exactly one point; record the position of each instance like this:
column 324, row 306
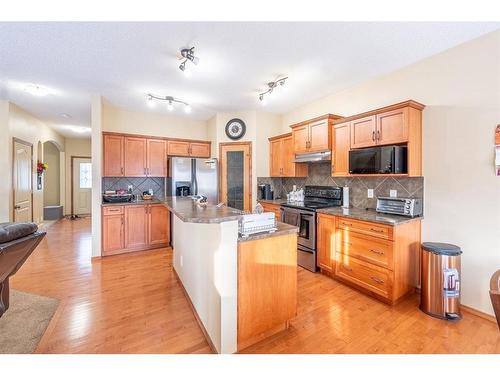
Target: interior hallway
column 133, row 303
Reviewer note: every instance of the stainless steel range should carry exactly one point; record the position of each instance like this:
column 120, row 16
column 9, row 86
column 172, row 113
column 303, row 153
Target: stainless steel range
column 303, row 216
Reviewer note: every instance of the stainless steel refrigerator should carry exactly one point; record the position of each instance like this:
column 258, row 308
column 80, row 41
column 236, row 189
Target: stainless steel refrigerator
column 191, row 176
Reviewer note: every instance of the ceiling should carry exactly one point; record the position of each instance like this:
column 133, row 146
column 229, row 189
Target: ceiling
column 125, row 61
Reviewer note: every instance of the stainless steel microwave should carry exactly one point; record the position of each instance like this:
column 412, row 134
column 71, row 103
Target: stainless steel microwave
column 378, row 160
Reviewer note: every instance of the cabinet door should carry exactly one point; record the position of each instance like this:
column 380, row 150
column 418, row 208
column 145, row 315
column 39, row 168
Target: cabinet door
column 363, row 132
column 199, row 150
column 275, row 156
column 326, row 242
column 113, row 155
column 156, row 157
column 136, row 226
column 392, row 127
column 319, row 136
column 113, row 238
column 159, row 225
column 300, row 139
column 341, row 147
column 178, row 148
column 135, row 157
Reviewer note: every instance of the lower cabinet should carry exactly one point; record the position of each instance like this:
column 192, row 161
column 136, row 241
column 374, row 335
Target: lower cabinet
column 380, row 260
column 134, row 227
column 271, row 207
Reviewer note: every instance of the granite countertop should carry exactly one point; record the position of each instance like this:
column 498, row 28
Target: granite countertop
column 368, row 215
column 187, row 210
column 134, row 202
column 273, row 201
column 283, row 229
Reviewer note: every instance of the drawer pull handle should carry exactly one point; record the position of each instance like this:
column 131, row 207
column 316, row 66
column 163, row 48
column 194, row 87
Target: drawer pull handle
column 377, row 252
column 114, row 210
column 346, row 224
column 347, row 268
column 377, row 230
column 377, row 280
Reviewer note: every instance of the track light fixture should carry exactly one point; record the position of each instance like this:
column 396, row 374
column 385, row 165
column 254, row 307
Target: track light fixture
column 271, row 87
column 188, row 54
column 170, row 102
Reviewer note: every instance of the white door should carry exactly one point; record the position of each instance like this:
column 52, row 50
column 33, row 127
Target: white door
column 23, row 209
column 82, row 186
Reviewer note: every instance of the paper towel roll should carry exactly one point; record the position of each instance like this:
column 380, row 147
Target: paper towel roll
column 345, row 197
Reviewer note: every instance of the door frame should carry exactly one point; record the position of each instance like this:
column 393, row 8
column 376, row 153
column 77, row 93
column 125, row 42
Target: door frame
column 73, row 157
column 247, row 143
column 18, row 140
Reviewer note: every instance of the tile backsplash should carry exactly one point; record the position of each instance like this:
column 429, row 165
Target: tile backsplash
column 139, row 184
column 320, row 174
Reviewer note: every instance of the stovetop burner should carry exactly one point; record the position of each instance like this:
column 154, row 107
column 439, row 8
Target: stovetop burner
column 316, row 197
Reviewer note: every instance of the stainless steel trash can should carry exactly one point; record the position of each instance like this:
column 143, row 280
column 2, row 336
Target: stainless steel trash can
column 440, row 275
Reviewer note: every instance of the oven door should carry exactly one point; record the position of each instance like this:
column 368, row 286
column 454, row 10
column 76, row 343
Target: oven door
column 305, row 221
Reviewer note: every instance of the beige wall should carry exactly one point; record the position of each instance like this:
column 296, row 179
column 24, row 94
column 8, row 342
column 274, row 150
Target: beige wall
column 24, row 126
column 52, row 176
column 147, row 123
column 268, row 125
column 5, row 140
column 73, row 147
column 461, row 88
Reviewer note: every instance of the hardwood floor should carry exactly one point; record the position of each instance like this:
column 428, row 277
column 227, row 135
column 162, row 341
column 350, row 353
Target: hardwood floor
column 133, row 303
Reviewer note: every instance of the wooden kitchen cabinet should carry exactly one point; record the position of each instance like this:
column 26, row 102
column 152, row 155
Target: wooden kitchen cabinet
column 156, row 157
column 392, row 126
column 113, row 155
column 188, row 149
column 135, row 157
column 282, row 156
column 271, row 207
column 313, row 135
column 363, row 132
column 341, row 147
column 134, row 227
column 325, row 240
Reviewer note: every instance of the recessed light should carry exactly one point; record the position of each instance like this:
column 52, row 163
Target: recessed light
column 78, row 129
column 36, row 90
column 65, row 115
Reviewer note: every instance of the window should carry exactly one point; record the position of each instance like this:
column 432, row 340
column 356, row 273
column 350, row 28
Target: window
column 85, row 175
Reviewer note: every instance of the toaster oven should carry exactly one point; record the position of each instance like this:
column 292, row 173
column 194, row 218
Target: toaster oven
column 400, row 206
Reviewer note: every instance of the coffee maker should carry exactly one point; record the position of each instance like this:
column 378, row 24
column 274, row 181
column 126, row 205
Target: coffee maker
column 265, row 192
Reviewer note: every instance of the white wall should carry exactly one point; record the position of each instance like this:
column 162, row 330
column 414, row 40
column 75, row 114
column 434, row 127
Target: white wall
column 461, row 88
column 52, row 176
column 73, row 147
column 96, row 138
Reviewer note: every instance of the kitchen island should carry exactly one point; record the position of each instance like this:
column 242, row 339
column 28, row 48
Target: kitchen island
column 241, row 289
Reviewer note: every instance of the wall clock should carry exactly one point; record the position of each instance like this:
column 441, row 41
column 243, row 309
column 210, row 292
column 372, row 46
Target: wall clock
column 235, row 129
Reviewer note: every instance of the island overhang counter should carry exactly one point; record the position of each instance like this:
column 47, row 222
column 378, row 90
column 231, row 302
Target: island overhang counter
column 241, row 290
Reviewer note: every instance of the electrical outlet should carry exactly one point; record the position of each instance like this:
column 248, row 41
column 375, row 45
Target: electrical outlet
column 393, row 193
column 370, row 193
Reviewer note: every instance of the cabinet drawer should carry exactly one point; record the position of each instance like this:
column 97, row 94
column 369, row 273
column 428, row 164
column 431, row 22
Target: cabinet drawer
column 368, row 248
column 115, row 210
column 365, row 227
column 368, row 276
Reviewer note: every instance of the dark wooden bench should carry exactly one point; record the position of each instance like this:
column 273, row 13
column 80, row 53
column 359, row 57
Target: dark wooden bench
column 495, row 294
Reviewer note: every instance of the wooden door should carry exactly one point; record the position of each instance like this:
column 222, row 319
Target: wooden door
column 275, row 158
column 300, row 136
column 319, row 136
column 363, row 132
column 341, row 147
column 199, row 150
column 392, row 127
column 113, row 155
column 22, row 181
column 135, row 157
column 178, row 148
column 236, row 174
column 159, row 225
column 113, row 233
column 326, row 242
column 156, row 157
column 136, row 226
column 81, row 202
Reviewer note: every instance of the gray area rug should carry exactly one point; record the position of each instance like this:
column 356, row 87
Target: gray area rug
column 23, row 325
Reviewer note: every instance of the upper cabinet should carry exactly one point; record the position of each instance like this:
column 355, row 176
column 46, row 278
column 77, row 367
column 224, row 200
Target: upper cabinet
column 196, row 149
column 135, row 157
column 363, row 132
column 156, row 157
column 341, row 147
column 313, row 135
column 281, row 158
column 113, row 155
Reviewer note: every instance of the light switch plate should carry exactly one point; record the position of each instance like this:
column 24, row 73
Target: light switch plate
column 393, row 193
column 370, row 193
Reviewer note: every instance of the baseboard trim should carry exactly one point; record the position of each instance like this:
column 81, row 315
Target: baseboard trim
column 198, row 320
column 478, row 313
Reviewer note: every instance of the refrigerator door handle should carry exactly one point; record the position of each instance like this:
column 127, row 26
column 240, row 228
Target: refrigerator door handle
column 194, row 182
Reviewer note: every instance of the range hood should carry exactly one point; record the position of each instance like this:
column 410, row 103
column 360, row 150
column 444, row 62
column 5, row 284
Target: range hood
column 313, row 157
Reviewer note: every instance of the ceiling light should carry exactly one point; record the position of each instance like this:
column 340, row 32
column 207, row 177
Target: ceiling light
column 188, row 54
column 170, row 102
column 271, row 87
column 151, row 102
column 65, row 115
column 36, row 90
column 170, row 106
column 78, row 129
column 187, row 108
